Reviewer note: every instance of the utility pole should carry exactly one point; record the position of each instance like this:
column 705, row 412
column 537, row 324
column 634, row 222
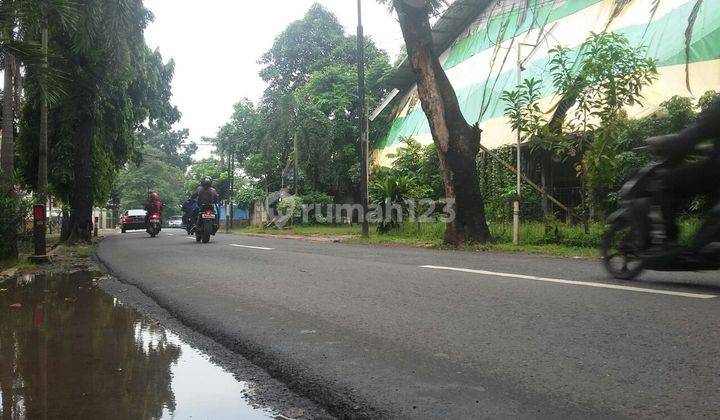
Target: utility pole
column 295, row 164
column 231, row 182
column 363, row 123
column 516, row 204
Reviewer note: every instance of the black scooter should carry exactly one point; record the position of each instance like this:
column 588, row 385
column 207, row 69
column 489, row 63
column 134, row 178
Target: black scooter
column 627, row 245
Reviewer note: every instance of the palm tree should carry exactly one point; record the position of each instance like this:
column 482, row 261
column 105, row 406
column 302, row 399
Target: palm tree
column 39, row 13
column 20, row 17
column 7, row 149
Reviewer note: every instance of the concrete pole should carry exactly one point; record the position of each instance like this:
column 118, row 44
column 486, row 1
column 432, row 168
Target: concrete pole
column 363, row 123
column 516, row 203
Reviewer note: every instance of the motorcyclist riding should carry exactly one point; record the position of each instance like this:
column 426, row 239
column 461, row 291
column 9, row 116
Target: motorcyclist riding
column 152, row 205
column 690, row 179
column 205, row 195
column 189, row 207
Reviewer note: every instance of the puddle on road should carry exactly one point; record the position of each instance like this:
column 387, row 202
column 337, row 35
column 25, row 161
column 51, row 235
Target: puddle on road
column 68, row 350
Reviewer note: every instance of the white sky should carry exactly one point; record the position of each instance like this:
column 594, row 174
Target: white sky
column 216, row 45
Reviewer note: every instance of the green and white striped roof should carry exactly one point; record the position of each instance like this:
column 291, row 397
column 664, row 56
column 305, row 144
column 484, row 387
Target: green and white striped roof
column 481, row 63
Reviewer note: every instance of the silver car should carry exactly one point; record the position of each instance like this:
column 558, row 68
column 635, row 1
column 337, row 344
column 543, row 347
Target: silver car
column 175, row 222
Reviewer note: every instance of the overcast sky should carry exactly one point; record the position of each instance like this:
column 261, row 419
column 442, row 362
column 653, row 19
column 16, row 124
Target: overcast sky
column 216, row 45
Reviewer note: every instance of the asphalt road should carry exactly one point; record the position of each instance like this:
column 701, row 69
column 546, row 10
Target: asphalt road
column 396, row 332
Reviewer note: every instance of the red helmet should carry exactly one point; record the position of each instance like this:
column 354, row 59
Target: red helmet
column 154, row 196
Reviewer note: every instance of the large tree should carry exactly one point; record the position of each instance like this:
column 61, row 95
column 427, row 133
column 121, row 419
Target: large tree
column 152, row 173
column 21, row 23
column 328, row 119
column 115, row 85
column 170, row 146
column 299, row 50
column 310, row 107
column 456, row 141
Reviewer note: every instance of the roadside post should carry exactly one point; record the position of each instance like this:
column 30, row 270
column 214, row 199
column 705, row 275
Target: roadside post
column 39, row 227
column 95, row 226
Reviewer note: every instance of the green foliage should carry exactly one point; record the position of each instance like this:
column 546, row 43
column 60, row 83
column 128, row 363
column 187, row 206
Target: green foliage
column 151, row 174
column 13, row 210
column 674, row 114
column 245, row 197
column 523, row 110
column 433, row 7
column 499, row 187
column 707, row 99
column 291, row 205
column 604, row 76
column 167, row 145
column 311, row 101
column 299, row 50
column 207, row 167
column 115, row 85
column 321, row 203
column 419, row 163
column 391, row 190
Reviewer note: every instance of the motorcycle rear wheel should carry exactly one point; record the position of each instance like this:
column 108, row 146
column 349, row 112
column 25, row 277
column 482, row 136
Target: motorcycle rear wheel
column 620, row 251
column 206, row 229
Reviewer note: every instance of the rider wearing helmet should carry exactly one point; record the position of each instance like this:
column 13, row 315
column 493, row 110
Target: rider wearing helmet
column 205, row 195
column 691, row 178
column 152, row 205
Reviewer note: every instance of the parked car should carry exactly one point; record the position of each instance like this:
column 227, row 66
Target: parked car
column 175, row 222
column 133, row 220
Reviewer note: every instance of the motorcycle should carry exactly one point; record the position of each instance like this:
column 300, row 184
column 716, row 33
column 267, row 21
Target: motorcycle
column 154, row 224
column 627, row 245
column 188, row 209
column 206, row 224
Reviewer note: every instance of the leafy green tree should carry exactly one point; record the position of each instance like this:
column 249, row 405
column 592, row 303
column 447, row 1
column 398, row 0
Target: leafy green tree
column 328, row 121
column 115, row 85
column 419, row 163
column 25, row 57
column 599, row 81
column 246, row 196
column 311, row 103
column 170, row 146
column 523, row 110
column 152, row 174
column 299, row 50
column 207, row 167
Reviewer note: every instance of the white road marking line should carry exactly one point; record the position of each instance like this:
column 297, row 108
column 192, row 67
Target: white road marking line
column 252, row 247
column 170, row 234
column 573, row 282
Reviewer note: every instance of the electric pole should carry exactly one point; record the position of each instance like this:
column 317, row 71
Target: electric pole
column 296, row 170
column 231, row 186
column 518, row 186
column 363, row 123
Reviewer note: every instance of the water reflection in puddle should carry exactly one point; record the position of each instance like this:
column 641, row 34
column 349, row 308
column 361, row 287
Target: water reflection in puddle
column 68, row 350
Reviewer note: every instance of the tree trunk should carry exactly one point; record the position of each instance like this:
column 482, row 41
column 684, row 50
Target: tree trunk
column 42, row 178
column 456, row 141
column 82, row 196
column 7, row 152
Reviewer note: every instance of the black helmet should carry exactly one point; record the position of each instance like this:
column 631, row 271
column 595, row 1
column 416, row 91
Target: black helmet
column 206, row 182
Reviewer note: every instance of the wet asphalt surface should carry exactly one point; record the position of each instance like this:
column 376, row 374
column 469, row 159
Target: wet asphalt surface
column 369, row 333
